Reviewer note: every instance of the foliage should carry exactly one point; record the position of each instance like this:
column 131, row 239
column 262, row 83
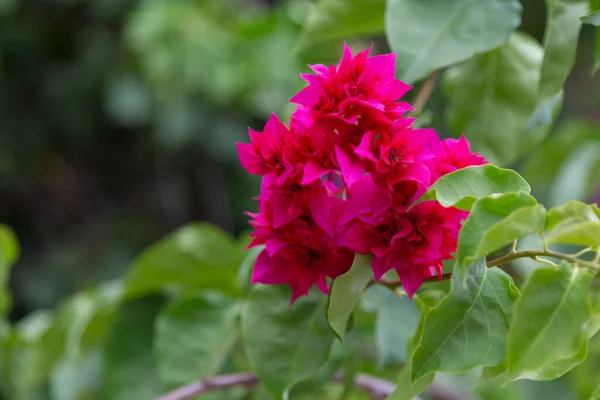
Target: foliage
column 491, row 326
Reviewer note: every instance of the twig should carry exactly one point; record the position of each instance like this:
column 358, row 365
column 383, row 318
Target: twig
column 513, row 255
column 424, row 93
column 377, row 388
column 219, row 382
column 539, row 253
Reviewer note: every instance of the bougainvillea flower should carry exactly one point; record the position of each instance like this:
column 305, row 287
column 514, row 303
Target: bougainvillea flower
column 341, row 178
column 452, row 154
column 358, row 83
column 416, row 247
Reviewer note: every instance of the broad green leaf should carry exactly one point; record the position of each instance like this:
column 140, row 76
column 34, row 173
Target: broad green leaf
column 469, row 327
column 549, row 318
column 285, row 345
column 558, row 368
column 496, row 221
column 431, row 34
column 592, row 18
column 129, row 369
column 493, row 96
column 341, row 19
column 339, row 354
column 560, row 44
column 345, row 292
column 194, row 336
column 463, row 187
column 196, row 256
column 586, row 233
column 573, row 211
column 397, row 320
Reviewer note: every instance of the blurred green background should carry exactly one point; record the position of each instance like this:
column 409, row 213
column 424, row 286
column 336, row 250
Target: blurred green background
column 118, row 120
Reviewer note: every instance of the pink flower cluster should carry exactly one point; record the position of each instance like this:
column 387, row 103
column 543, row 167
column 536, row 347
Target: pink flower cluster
column 340, row 179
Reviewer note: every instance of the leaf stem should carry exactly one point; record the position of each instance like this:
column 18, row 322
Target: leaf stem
column 424, row 93
column 514, row 246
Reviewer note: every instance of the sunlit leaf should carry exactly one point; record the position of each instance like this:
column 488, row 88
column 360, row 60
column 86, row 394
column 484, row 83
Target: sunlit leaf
column 345, row 292
column 431, row 34
column 496, row 221
column 196, row 256
column 549, row 318
column 586, row 233
column 463, row 187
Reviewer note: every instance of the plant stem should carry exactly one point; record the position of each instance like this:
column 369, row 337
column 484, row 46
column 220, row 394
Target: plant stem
column 377, row 388
column 513, row 255
column 539, row 253
column 424, row 93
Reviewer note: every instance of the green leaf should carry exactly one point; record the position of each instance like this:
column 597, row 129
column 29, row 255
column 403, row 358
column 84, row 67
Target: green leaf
column 285, row 345
column 549, row 318
column 596, row 65
column 586, row 233
column 496, row 221
column 345, row 292
column 9, row 252
column 463, row 187
column 558, row 368
column 572, row 211
column 469, row 327
column 406, row 389
column 129, row 370
column 493, row 96
column 397, row 320
column 575, row 179
column 432, row 34
column 194, row 336
column 544, row 165
column 560, row 44
column 34, row 347
column 77, row 379
column 592, row 18
column 341, row 19
column 196, row 256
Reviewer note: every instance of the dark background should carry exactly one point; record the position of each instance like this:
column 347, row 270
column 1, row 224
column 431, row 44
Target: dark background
column 118, row 120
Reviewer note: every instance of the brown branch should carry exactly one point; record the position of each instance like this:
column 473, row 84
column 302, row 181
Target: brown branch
column 220, row 382
column 377, row 388
column 424, row 93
